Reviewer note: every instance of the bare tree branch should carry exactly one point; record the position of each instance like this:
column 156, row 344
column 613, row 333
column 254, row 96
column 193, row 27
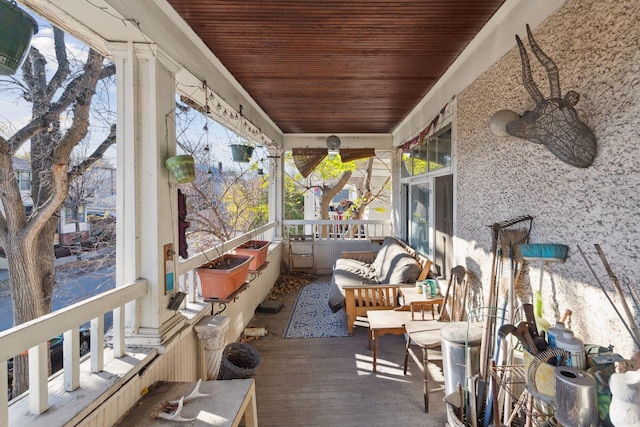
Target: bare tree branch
column 33, row 128
column 41, row 122
column 95, row 156
column 63, row 63
column 87, row 84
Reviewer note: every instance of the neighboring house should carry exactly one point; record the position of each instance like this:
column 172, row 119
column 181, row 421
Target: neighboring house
column 101, row 201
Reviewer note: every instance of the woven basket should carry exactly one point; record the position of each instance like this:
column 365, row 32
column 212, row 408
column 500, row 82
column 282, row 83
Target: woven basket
column 239, row 360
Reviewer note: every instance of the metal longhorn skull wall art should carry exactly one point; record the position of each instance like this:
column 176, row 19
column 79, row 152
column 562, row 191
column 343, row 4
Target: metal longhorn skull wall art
column 554, row 122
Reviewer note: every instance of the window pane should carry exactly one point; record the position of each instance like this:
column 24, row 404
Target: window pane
column 440, row 151
column 419, row 222
column 419, row 156
column 69, row 214
column 25, row 181
column 405, row 166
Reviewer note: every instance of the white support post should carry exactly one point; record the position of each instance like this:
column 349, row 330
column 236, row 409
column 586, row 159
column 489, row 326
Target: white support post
column 146, row 125
column 118, row 332
column 127, row 249
column 97, row 344
column 4, row 398
column 38, row 379
column 276, row 193
column 70, row 359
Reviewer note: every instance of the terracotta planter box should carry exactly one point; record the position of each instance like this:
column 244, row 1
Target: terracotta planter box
column 258, row 249
column 224, row 275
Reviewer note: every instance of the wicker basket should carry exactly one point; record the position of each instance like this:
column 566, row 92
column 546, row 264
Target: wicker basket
column 239, row 360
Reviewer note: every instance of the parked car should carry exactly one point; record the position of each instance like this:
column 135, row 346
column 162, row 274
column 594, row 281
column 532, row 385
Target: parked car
column 55, row 352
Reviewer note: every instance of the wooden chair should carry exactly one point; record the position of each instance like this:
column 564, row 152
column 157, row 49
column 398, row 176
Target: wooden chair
column 426, row 333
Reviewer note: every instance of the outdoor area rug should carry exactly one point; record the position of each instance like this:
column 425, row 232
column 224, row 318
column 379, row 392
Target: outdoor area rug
column 311, row 316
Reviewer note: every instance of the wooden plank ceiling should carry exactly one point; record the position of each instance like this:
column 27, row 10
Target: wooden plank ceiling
column 336, row 66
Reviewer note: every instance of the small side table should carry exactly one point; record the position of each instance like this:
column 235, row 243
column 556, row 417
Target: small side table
column 413, row 301
column 382, row 322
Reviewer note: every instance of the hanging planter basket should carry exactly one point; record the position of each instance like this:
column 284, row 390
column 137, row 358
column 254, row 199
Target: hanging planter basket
column 182, row 168
column 241, row 153
column 16, row 30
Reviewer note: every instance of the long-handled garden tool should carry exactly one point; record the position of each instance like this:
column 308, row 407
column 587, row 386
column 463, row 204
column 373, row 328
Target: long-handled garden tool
column 634, row 336
column 542, row 253
column 623, row 301
column 489, row 339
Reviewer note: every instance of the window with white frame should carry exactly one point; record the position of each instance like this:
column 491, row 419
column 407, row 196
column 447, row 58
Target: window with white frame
column 421, row 167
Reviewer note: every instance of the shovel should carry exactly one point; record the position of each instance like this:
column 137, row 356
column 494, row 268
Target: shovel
column 521, row 333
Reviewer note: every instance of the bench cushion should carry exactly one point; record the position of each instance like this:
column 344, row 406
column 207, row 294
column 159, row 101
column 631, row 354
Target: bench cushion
column 345, row 274
column 393, row 265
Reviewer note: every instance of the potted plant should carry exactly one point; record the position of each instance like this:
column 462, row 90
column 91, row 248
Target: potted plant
column 16, row 30
column 256, row 248
column 182, row 167
column 242, row 152
column 224, row 275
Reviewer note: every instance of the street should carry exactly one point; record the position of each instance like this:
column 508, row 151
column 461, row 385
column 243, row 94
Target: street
column 75, row 281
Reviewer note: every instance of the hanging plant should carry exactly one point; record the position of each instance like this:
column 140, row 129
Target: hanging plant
column 182, row 168
column 16, row 30
column 241, row 152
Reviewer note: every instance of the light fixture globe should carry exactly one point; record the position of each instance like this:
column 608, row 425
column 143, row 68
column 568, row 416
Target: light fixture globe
column 498, row 122
column 333, row 144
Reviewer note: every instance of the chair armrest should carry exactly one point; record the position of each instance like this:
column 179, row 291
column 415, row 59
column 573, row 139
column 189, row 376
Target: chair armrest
column 374, row 295
column 364, row 256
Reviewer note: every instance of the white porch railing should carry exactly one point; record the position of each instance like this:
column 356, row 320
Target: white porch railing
column 327, row 229
column 33, row 336
column 332, row 237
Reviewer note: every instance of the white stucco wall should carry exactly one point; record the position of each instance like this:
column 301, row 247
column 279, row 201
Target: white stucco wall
column 596, row 47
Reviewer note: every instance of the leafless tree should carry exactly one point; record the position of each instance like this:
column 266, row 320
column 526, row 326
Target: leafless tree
column 221, row 202
column 57, row 89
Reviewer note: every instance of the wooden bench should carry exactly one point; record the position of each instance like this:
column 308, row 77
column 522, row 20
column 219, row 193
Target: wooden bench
column 362, row 298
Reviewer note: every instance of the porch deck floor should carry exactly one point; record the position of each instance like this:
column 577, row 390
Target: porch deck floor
column 329, row 381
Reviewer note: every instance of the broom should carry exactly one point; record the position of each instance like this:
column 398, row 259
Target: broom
column 542, row 252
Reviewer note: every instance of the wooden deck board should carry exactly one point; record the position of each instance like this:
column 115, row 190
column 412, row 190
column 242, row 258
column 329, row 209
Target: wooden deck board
column 329, row 381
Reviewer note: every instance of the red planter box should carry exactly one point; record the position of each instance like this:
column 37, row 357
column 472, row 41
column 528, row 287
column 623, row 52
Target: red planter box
column 258, row 249
column 224, row 275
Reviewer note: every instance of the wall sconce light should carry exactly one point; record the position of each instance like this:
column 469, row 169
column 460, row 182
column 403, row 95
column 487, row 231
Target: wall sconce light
column 333, row 145
column 498, row 122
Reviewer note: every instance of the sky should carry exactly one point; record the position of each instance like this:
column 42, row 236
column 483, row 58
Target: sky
column 15, row 112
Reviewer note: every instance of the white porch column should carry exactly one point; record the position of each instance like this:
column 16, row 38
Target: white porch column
column 146, row 197
column 276, row 192
column 395, row 199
